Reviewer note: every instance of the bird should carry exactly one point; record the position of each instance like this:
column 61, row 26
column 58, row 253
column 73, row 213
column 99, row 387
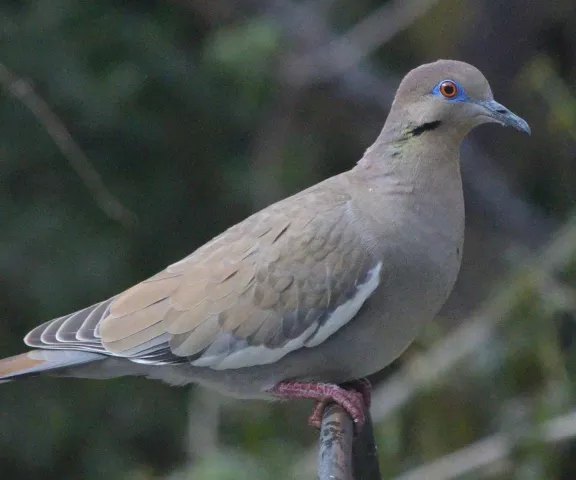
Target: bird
column 312, row 294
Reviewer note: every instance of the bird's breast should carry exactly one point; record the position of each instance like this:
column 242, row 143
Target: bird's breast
column 423, row 242
column 419, row 238
column 418, row 273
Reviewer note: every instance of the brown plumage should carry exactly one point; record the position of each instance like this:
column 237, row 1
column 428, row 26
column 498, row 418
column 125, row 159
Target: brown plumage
column 328, row 285
column 253, row 282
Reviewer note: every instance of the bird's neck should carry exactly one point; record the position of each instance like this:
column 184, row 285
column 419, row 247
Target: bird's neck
column 425, row 155
column 417, row 181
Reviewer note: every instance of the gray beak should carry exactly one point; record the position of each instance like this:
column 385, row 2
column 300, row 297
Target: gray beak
column 504, row 116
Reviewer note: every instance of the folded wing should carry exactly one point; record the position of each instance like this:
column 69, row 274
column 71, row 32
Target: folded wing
column 286, row 278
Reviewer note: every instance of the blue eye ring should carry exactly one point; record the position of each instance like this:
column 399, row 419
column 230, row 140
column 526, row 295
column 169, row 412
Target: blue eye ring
column 450, row 90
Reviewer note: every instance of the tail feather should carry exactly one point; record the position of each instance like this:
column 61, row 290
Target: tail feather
column 43, row 361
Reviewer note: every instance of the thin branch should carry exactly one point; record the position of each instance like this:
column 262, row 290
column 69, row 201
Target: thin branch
column 492, row 449
column 348, row 50
column 22, row 90
column 480, row 454
column 309, row 30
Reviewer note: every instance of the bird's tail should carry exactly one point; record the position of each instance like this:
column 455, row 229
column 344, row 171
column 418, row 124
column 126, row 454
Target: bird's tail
column 43, row 361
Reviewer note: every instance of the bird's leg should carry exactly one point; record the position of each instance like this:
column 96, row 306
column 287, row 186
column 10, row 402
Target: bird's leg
column 364, row 387
column 352, row 401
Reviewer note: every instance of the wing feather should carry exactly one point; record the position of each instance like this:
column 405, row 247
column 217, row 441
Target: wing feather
column 285, row 278
column 89, row 332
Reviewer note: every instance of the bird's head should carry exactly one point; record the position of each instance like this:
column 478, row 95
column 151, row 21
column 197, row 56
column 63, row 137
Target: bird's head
column 452, row 94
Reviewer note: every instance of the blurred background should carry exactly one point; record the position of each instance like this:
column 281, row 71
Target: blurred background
column 134, row 131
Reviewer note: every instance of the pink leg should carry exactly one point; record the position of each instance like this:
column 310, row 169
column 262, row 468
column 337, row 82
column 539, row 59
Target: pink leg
column 350, row 400
column 315, row 419
column 364, row 387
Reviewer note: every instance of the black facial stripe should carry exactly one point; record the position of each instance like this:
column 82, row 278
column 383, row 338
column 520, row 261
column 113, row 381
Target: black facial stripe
column 425, row 127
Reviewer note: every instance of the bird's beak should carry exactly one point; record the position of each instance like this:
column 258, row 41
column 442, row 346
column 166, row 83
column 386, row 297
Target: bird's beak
column 502, row 115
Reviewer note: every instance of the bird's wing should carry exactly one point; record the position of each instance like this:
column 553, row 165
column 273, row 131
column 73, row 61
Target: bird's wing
column 287, row 277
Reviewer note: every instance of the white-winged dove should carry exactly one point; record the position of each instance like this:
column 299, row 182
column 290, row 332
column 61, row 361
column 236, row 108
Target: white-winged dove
column 322, row 288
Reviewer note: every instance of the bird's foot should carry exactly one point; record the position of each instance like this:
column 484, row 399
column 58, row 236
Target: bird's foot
column 364, row 387
column 354, row 402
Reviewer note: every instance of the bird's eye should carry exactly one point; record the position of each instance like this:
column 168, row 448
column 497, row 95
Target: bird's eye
column 448, row 89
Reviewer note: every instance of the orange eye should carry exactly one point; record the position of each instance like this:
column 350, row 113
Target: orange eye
column 448, row 89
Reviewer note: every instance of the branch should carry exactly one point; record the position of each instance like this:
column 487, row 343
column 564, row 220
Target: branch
column 341, row 455
column 492, row 449
column 336, row 437
column 348, row 50
column 307, row 29
column 365, row 453
column 77, row 159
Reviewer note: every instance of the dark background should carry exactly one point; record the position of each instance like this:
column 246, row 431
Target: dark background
column 184, row 117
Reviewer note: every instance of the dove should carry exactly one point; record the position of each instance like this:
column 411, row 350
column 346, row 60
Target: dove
column 310, row 295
